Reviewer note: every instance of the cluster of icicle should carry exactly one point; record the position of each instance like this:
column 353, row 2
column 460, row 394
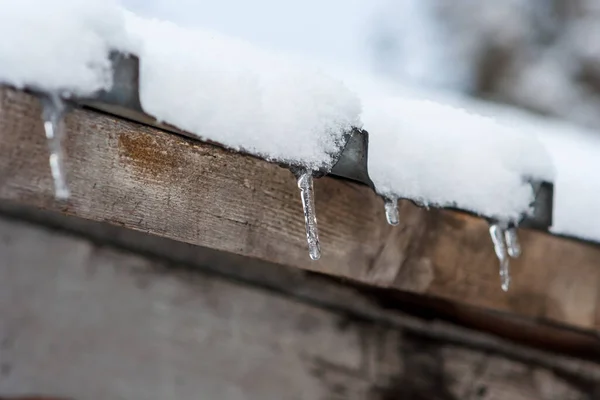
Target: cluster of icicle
column 503, row 234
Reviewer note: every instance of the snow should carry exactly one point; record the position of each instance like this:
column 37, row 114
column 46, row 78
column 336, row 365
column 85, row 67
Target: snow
column 577, row 187
column 60, row 45
column 246, row 98
column 434, row 150
column 574, row 151
column 445, row 156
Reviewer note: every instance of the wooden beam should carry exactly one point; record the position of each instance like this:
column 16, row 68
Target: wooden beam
column 434, row 318
column 145, row 179
column 88, row 321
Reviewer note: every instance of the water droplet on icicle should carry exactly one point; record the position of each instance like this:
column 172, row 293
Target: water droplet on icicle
column 305, row 184
column 391, row 210
column 497, row 234
column 53, row 110
column 512, row 241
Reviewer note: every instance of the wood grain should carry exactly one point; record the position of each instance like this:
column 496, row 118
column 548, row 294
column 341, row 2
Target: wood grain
column 86, row 321
column 145, row 179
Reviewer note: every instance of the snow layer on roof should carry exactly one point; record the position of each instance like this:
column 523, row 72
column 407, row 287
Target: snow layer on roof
column 59, row 45
column 444, row 155
column 575, row 152
column 246, row 98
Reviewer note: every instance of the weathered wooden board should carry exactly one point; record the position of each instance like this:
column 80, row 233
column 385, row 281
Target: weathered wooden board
column 145, row 179
column 424, row 315
column 83, row 321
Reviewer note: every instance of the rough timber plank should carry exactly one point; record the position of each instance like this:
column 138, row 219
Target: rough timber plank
column 87, row 321
column 145, row 179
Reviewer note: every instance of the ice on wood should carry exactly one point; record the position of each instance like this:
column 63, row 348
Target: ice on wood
column 228, row 91
column 506, row 243
column 511, row 238
column 305, row 184
column 53, row 110
column 497, row 232
column 391, row 210
column 61, row 45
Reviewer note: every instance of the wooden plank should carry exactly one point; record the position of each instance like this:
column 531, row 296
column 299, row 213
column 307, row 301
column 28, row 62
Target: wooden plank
column 145, row 179
column 402, row 310
column 87, row 321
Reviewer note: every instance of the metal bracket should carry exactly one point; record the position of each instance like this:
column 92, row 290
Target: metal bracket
column 352, row 162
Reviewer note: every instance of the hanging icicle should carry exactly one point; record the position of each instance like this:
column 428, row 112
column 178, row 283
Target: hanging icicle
column 305, row 184
column 512, row 241
column 391, row 210
column 497, row 232
column 53, row 110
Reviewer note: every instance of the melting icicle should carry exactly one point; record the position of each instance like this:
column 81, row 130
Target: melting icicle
column 512, row 241
column 497, row 234
column 53, row 110
column 391, row 210
column 305, row 183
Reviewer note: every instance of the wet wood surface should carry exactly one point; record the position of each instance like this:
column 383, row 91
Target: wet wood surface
column 142, row 178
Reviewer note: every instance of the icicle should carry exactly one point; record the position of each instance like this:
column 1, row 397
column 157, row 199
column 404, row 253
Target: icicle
column 53, row 110
column 305, row 183
column 512, row 241
column 391, row 210
column 497, row 234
